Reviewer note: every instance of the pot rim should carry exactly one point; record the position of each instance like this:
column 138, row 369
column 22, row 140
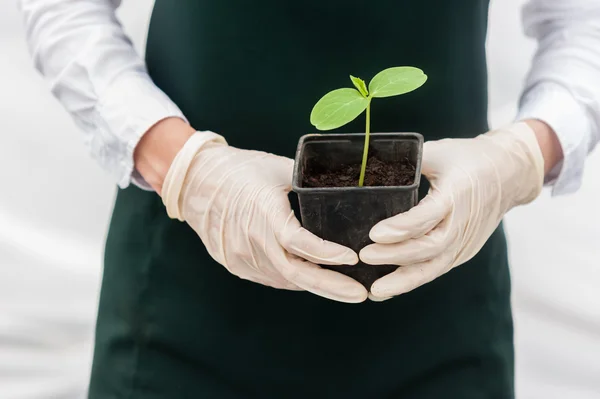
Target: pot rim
column 296, row 175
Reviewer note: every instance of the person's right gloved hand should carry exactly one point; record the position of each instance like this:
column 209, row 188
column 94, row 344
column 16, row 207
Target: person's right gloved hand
column 237, row 202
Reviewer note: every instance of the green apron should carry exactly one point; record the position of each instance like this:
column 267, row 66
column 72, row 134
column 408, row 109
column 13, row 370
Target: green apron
column 174, row 324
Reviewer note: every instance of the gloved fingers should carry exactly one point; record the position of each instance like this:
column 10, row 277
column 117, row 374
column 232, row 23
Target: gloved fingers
column 278, row 170
column 322, row 282
column 296, row 240
column 286, row 171
column 414, row 223
column 415, row 250
column 378, row 299
column 407, row 278
column 265, row 276
column 281, row 283
column 245, row 267
column 433, row 157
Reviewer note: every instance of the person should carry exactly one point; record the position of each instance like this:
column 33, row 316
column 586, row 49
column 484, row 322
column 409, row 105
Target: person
column 212, row 288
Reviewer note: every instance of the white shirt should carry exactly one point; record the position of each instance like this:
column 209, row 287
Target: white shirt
column 94, row 71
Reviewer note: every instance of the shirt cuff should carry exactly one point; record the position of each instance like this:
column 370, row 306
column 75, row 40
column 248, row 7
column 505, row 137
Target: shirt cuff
column 129, row 107
column 553, row 104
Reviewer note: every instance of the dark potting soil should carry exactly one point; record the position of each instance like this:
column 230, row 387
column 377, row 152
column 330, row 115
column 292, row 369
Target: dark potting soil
column 378, row 173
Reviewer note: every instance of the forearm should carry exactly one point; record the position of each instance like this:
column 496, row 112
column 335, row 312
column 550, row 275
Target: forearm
column 157, row 149
column 549, row 144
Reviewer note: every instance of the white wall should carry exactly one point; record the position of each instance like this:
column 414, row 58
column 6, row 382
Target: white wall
column 55, row 205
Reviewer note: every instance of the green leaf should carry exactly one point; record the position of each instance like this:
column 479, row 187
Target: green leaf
column 360, row 85
column 396, row 81
column 337, row 108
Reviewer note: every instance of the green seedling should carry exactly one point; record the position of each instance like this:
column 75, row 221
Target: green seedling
column 341, row 106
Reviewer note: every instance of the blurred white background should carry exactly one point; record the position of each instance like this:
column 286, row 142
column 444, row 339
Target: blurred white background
column 55, row 205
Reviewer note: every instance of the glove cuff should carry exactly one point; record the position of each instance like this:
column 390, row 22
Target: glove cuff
column 526, row 162
column 173, row 184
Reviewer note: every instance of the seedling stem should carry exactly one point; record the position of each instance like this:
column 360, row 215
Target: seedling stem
column 338, row 107
column 363, row 167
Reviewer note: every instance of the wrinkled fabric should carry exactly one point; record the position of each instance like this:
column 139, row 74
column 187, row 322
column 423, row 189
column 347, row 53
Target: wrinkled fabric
column 81, row 49
column 563, row 84
column 93, row 69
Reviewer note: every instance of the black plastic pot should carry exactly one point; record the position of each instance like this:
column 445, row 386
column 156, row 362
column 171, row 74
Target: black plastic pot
column 345, row 215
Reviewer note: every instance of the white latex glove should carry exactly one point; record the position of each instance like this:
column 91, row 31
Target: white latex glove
column 237, row 202
column 474, row 182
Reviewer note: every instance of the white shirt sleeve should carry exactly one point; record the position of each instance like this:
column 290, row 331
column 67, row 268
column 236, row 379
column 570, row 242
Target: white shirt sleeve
column 93, row 69
column 563, row 85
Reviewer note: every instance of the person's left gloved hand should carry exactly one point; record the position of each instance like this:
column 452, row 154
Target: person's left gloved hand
column 474, row 182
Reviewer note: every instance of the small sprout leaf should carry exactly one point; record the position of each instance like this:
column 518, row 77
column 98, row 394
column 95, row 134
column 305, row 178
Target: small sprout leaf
column 341, row 106
column 337, row 108
column 396, row 81
column 360, row 85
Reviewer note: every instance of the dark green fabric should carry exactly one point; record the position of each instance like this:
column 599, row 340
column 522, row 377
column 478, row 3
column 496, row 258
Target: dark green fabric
column 175, row 324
